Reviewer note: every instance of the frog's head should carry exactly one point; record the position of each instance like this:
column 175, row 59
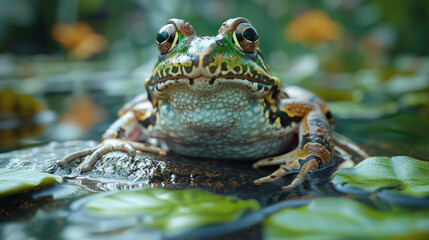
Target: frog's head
column 205, row 64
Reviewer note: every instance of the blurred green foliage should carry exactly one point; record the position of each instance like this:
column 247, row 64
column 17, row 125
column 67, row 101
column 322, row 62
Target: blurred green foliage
column 369, row 57
column 345, row 218
column 395, row 26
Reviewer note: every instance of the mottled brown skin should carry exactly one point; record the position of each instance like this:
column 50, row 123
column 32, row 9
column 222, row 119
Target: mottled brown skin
column 315, row 145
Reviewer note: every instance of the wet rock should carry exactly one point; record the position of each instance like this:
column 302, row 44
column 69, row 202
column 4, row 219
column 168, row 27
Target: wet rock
column 119, row 171
column 42, row 157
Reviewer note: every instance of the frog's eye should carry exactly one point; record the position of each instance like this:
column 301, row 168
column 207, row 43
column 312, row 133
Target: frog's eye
column 166, row 39
column 246, row 38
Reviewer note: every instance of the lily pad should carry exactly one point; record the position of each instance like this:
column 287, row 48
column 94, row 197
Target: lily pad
column 18, row 181
column 400, row 174
column 343, row 218
column 171, row 210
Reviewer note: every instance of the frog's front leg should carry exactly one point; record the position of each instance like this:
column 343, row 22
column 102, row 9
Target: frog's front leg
column 314, row 147
column 122, row 135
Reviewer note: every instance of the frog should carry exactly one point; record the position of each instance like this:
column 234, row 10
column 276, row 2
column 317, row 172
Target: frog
column 214, row 97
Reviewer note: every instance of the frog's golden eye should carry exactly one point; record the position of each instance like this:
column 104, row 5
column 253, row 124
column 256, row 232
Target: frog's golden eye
column 246, row 38
column 166, row 39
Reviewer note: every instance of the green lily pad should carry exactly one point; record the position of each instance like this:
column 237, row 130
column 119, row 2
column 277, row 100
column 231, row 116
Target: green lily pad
column 343, row 218
column 404, row 175
column 171, row 210
column 18, row 181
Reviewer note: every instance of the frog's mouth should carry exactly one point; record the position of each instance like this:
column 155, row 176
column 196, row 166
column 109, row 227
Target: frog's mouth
column 204, row 85
column 207, row 76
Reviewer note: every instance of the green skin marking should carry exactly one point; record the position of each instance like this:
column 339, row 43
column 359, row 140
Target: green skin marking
column 228, row 55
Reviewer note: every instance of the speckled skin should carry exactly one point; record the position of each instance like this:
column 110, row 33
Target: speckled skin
column 225, row 123
column 214, row 97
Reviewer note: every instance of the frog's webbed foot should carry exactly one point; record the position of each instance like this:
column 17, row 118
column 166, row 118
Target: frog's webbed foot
column 298, row 160
column 109, row 145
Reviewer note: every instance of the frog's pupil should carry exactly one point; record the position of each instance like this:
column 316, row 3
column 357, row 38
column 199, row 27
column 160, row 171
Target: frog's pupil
column 162, row 36
column 250, row 34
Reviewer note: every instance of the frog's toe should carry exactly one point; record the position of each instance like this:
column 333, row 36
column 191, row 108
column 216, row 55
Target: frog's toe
column 72, row 156
column 143, row 147
column 89, row 162
column 294, row 165
column 282, row 171
column 300, row 178
column 267, row 179
column 107, row 146
column 271, row 161
column 277, row 160
column 111, row 145
column 303, row 174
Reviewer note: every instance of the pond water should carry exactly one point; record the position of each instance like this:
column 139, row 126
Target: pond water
column 46, row 214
